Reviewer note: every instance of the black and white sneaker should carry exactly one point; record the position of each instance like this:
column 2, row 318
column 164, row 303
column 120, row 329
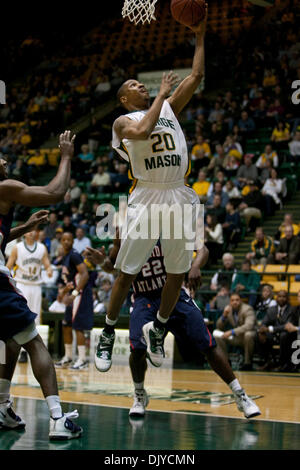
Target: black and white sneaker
column 103, row 354
column 8, row 418
column 155, row 343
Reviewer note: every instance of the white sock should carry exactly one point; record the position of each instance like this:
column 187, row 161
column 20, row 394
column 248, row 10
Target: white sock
column 54, row 406
column 68, row 350
column 138, row 386
column 110, row 322
column 4, row 390
column 161, row 319
column 235, row 385
column 81, row 353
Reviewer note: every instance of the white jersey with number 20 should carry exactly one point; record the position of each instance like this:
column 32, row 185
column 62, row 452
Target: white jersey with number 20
column 163, row 157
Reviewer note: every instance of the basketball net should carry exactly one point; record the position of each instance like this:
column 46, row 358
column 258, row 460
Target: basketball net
column 139, row 11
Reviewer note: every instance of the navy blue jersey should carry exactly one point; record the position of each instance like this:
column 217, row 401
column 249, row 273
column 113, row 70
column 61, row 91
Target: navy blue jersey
column 69, row 266
column 152, row 277
column 5, row 226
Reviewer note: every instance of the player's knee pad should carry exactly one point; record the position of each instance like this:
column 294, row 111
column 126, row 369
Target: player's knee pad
column 26, row 335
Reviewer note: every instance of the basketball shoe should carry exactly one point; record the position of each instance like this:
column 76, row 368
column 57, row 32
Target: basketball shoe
column 79, row 365
column 141, row 401
column 154, row 338
column 8, row 418
column 64, row 362
column 63, row 428
column 104, row 351
column 245, row 404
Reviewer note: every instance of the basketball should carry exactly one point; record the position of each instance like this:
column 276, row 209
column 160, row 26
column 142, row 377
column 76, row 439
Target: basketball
column 188, row 12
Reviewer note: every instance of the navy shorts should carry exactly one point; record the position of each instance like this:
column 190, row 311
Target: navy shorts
column 15, row 314
column 185, row 323
column 80, row 315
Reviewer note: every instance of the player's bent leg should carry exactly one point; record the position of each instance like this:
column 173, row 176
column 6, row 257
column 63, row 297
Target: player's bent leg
column 138, row 367
column 103, row 355
column 60, row 426
column 219, row 363
column 8, row 418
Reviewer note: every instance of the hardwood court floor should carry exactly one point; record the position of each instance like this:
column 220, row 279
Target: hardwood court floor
column 189, row 409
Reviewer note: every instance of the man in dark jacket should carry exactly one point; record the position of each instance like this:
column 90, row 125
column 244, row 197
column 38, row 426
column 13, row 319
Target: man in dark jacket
column 288, row 250
column 273, row 331
column 251, row 204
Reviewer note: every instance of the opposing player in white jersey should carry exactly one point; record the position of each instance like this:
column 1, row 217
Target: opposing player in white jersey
column 151, row 140
column 27, row 258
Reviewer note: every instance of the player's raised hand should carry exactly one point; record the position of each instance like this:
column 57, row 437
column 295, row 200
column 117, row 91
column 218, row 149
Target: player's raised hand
column 201, row 27
column 95, row 256
column 169, row 80
column 66, row 144
column 39, row 217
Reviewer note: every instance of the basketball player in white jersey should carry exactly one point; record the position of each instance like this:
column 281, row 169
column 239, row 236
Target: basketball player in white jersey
column 27, row 258
column 151, row 140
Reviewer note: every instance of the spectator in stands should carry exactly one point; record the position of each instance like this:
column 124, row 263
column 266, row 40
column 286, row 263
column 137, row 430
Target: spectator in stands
column 261, row 247
column 230, row 166
column 273, row 331
column 217, row 160
column 265, row 172
column 222, row 299
column 281, row 135
column 294, row 146
column 200, row 145
column 233, row 192
column 226, row 275
column 55, row 243
column 84, row 206
column 67, row 225
column 268, row 155
column 217, row 191
column 240, row 319
column 85, row 156
column 288, row 250
column 271, row 190
column 216, row 209
column 64, row 207
column 250, row 206
column 246, row 125
column 247, row 173
column 288, row 219
column 247, row 283
column 232, row 147
column 101, row 180
column 81, row 242
column 74, row 190
column 216, row 112
column 50, row 229
column 231, row 227
column 267, row 300
column 200, row 162
column 201, row 186
column 120, row 181
column 213, row 238
column 103, row 295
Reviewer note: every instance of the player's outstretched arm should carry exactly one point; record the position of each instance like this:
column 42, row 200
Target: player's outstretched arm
column 128, row 129
column 40, row 217
column 184, row 92
column 17, row 192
